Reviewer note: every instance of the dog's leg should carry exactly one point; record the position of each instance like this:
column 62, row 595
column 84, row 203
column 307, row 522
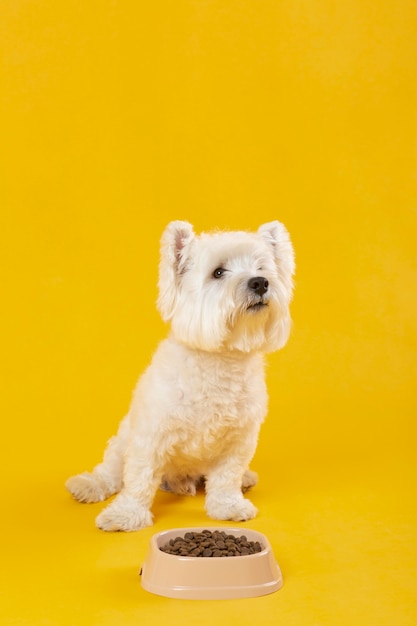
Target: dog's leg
column 130, row 510
column 106, row 478
column 224, row 498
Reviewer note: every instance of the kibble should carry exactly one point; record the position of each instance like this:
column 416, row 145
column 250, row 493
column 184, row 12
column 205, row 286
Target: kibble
column 209, row 543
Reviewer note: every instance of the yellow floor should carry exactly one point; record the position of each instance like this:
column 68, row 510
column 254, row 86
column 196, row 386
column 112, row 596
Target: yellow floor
column 345, row 543
column 118, row 116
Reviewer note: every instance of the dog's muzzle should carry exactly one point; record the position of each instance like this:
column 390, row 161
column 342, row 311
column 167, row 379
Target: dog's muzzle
column 259, row 285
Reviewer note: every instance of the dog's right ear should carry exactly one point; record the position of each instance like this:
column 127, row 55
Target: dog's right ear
column 175, row 247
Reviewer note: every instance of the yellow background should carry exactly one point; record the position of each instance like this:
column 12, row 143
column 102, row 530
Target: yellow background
column 117, row 117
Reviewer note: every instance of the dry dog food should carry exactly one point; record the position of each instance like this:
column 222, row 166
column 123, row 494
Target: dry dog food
column 209, row 543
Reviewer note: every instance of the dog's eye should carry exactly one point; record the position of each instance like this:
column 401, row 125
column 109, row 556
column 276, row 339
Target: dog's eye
column 218, row 272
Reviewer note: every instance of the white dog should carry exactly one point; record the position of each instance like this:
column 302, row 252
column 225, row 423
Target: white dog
column 197, row 409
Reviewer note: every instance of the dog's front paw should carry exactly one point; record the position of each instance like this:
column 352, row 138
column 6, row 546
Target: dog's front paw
column 124, row 513
column 87, row 487
column 228, row 507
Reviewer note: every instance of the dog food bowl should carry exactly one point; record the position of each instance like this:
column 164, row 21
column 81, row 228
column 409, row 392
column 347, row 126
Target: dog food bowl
column 210, row 578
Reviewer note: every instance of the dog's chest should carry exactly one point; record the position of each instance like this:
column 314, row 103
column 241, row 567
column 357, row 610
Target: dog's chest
column 196, row 387
column 198, row 405
column 220, row 385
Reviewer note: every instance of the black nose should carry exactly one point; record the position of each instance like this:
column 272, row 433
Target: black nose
column 258, row 284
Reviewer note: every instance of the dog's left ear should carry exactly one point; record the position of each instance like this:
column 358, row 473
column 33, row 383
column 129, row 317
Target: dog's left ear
column 176, row 243
column 276, row 235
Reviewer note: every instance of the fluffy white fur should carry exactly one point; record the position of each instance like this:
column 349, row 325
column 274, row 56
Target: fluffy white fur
column 197, row 409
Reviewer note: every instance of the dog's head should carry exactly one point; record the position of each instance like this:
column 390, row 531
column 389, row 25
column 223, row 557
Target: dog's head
column 227, row 290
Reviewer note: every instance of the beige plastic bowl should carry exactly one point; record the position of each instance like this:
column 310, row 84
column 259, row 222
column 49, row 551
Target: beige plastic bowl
column 210, row 578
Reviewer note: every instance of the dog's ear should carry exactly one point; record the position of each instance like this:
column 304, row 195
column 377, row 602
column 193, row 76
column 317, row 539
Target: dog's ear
column 276, row 235
column 176, row 243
